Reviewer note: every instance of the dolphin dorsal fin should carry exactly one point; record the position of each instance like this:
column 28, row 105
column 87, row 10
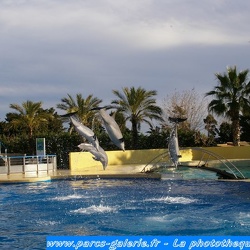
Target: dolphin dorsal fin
column 113, row 115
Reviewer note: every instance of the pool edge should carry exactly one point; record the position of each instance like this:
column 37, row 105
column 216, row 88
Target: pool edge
column 67, row 175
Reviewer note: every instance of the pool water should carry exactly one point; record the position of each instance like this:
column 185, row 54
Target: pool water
column 187, row 173
column 30, row 212
column 184, row 172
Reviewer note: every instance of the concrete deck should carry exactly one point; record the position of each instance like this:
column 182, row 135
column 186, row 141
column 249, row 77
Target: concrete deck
column 114, row 172
column 111, row 172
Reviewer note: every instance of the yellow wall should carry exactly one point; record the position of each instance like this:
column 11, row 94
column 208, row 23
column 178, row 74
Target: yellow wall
column 81, row 160
column 224, row 152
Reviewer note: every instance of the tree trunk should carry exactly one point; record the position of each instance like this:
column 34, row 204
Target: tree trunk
column 134, row 134
column 236, row 132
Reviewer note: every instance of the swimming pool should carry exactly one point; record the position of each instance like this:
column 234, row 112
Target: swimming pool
column 30, row 212
column 184, row 172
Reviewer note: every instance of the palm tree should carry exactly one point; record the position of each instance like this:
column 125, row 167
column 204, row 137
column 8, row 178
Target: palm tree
column 231, row 98
column 82, row 106
column 138, row 105
column 29, row 116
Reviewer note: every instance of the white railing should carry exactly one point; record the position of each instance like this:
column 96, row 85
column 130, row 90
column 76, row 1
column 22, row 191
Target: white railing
column 34, row 164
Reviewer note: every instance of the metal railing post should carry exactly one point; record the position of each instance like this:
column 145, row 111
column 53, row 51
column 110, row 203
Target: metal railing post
column 37, row 165
column 8, row 164
column 24, row 158
column 47, row 158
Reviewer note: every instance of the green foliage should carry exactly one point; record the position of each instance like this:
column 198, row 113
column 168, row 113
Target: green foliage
column 212, row 131
column 61, row 145
column 82, row 106
column 29, row 117
column 187, row 138
column 245, row 128
column 138, row 106
column 231, row 98
column 225, row 132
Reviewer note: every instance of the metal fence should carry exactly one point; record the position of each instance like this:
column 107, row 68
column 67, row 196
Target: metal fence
column 28, row 164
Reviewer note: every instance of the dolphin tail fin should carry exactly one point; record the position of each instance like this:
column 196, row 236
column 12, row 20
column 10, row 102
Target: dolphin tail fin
column 104, row 107
column 69, row 114
column 113, row 115
column 176, row 119
column 97, row 108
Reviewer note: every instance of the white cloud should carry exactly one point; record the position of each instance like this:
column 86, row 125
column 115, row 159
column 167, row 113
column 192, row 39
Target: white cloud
column 139, row 24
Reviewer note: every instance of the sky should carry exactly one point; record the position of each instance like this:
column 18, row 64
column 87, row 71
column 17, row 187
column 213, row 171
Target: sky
column 51, row 48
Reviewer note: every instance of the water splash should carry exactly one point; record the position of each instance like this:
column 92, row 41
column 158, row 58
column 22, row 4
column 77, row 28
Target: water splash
column 95, row 209
column 244, row 219
column 173, row 200
column 69, row 197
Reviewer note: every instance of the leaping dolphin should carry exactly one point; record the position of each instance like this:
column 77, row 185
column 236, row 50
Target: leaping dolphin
column 98, row 155
column 112, row 127
column 84, row 131
column 173, row 145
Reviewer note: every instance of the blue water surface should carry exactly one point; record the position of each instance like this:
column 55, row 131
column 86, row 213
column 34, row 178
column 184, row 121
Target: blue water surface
column 30, row 212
